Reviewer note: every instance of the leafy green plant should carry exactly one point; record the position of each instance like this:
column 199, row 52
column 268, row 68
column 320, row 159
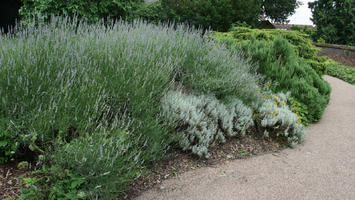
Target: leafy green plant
column 45, row 184
column 341, row 71
column 23, row 165
column 112, row 160
column 9, row 143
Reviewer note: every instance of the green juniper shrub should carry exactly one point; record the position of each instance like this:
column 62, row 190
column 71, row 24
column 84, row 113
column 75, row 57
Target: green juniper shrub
column 278, row 62
column 303, row 45
column 300, row 41
column 319, row 64
column 312, row 33
column 303, row 29
column 300, row 109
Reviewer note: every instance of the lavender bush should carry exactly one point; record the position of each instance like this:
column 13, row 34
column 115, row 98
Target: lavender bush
column 64, row 81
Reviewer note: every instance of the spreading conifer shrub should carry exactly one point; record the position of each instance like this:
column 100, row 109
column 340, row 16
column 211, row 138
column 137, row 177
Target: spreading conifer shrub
column 280, row 63
column 65, row 83
column 301, row 42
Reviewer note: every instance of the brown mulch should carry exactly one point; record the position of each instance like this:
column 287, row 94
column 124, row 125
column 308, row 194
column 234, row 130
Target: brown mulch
column 9, row 180
column 345, row 60
column 178, row 162
column 175, row 163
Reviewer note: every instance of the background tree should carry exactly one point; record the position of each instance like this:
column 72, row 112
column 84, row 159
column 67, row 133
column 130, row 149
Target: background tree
column 8, row 14
column 279, row 10
column 335, row 20
column 216, row 14
column 92, row 10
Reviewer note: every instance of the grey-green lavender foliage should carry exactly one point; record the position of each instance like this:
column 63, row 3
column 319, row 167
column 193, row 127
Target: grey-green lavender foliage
column 68, row 76
column 66, row 79
column 275, row 117
column 203, row 121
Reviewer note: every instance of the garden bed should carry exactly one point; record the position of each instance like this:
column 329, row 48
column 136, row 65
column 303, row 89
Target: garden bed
column 176, row 162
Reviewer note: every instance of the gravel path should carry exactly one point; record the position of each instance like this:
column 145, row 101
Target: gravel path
column 321, row 168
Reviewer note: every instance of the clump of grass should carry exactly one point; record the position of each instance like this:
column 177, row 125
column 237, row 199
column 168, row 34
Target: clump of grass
column 64, row 80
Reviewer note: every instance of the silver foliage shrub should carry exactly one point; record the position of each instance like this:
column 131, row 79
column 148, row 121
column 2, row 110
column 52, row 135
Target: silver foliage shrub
column 203, row 121
column 275, row 117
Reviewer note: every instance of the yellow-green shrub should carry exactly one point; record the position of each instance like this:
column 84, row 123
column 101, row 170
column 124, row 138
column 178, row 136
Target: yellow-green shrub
column 300, row 41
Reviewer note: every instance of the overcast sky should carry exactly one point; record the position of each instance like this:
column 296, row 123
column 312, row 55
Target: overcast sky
column 302, row 15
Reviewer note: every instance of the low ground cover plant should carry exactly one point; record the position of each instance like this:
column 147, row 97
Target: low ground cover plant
column 344, row 72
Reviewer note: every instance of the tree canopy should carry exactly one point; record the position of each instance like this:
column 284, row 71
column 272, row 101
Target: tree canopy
column 335, row 20
column 220, row 14
column 215, row 14
column 92, row 10
column 279, row 10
